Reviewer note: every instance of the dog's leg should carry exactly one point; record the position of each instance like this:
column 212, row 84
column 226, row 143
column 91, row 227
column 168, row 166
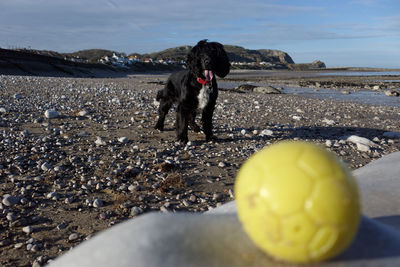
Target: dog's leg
column 162, row 112
column 207, row 113
column 207, row 120
column 192, row 122
column 182, row 120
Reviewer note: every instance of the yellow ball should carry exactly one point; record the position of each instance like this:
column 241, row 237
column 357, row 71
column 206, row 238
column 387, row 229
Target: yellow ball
column 297, row 202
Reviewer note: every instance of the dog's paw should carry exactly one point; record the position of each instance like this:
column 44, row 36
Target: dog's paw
column 210, row 138
column 195, row 128
column 159, row 127
column 183, row 139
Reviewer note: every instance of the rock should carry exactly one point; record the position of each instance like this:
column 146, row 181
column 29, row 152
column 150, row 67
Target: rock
column 10, row 200
column 318, row 64
column 218, row 196
column 392, row 135
column 97, row 203
column 328, row 121
column 360, row 140
column 17, row 96
column 73, row 237
column 46, row 166
column 296, row 118
column 164, row 209
column 123, row 140
column 136, row 211
column 392, row 93
column 51, row 113
column 328, row 143
column 99, row 141
column 245, row 87
column 222, row 164
column 266, row 132
column 53, row 195
column 27, row 229
column 363, row 147
column 266, row 90
column 83, row 113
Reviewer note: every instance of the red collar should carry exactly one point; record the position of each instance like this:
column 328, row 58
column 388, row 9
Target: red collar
column 201, row 81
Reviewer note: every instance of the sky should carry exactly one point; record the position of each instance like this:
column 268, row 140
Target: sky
column 360, row 33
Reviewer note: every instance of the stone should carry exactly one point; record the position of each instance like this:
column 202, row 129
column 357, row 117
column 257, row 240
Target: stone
column 360, row 140
column 266, row 132
column 217, row 238
column 97, row 203
column 392, row 135
column 51, row 113
column 99, row 141
column 27, row 229
column 328, row 121
column 73, row 237
column 392, row 93
column 53, row 195
column 136, row 211
column 10, row 200
column 123, row 140
column 266, row 90
column 46, row 166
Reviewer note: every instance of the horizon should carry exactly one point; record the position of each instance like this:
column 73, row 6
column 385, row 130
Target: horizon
column 355, row 33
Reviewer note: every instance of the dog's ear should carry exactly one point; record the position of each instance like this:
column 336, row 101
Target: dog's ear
column 192, row 60
column 223, row 65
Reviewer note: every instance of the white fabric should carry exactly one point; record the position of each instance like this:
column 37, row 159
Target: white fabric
column 216, row 238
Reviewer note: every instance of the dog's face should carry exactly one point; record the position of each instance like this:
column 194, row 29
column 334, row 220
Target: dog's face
column 208, row 59
column 208, row 64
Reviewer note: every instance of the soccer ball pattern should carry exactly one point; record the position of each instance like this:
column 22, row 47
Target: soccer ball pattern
column 297, row 202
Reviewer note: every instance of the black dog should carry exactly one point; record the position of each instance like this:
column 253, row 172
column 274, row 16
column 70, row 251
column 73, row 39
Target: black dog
column 194, row 88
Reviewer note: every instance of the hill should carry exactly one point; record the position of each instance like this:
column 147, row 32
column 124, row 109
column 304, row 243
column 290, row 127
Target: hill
column 235, row 54
column 176, row 54
column 91, row 55
column 240, row 54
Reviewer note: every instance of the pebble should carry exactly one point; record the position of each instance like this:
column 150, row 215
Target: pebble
column 328, row 121
column 99, row 141
column 53, row 195
column 164, row 209
column 73, row 237
column 46, row 166
column 186, row 203
column 27, row 229
column 123, row 140
column 10, row 200
column 267, row 132
column 392, row 135
column 217, row 196
column 360, row 140
column 45, row 161
column 136, row 211
column 51, row 113
column 97, row 203
column 297, row 118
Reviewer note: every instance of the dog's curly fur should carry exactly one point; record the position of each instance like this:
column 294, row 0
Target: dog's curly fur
column 204, row 61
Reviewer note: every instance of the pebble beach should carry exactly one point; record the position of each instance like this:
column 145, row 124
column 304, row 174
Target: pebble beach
column 78, row 155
